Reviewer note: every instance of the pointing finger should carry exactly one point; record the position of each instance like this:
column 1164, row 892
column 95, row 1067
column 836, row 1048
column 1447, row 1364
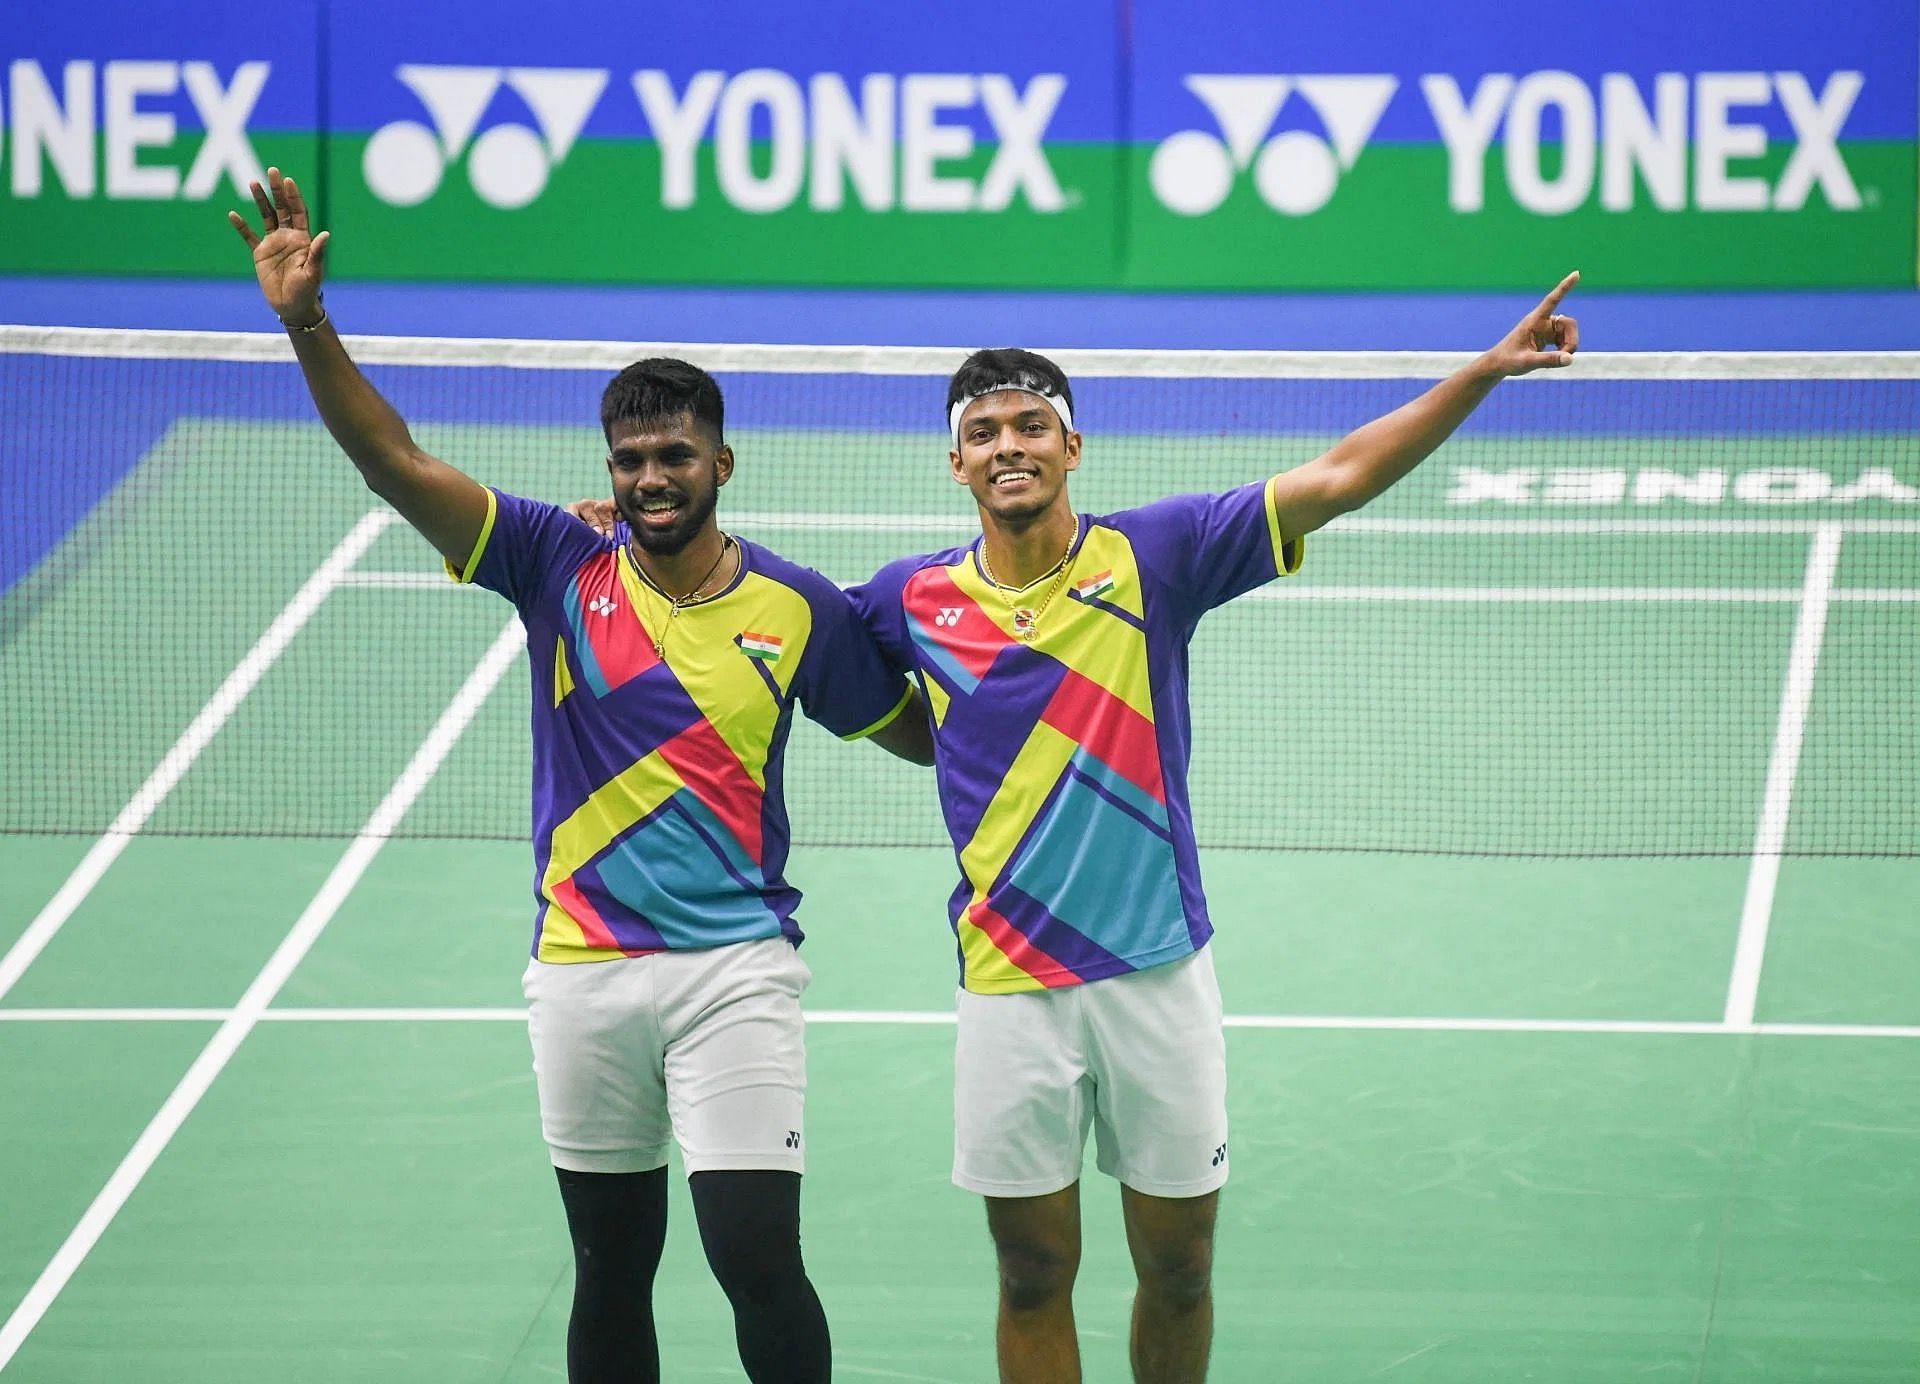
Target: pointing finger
column 1560, row 290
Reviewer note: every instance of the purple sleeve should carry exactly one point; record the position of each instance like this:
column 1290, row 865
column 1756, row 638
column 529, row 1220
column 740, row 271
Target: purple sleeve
column 1207, row 549
column 843, row 682
column 877, row 601
column 523, row 544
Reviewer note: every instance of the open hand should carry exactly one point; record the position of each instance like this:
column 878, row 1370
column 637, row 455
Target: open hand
column 1543, row 340
column 287, row 258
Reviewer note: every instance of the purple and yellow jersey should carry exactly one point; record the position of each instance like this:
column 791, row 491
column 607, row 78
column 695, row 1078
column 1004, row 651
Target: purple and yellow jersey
column 1063, row 762
column 658, row 818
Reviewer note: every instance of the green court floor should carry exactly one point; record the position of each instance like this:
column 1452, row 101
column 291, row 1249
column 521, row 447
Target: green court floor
column 1513, row 1116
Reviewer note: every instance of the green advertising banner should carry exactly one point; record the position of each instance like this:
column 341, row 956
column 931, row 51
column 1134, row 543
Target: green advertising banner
column 1649, row 144
column 1217, row 144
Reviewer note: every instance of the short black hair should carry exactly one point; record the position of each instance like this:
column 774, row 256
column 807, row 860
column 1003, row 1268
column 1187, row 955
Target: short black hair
column 1009, row 366
column 660, row 388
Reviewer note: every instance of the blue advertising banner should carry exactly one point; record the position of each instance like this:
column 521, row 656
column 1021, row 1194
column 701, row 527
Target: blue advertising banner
column 162, row 115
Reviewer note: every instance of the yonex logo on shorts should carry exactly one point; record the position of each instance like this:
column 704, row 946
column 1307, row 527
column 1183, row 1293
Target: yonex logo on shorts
column 793, row 1138
column 1220, row 1155
column 1295, row 172
column 509, row 163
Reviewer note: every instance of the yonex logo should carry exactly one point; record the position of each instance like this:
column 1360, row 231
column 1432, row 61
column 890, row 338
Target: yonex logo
column 602, row 605
column 793, row 1138
column 1296, row 171
column 112, row 145
column 1220, row 1155
column 509, row 163
column 949, row 615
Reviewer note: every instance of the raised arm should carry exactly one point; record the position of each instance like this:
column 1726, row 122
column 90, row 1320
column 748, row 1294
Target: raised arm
column 1366, row 461
column 448, row 507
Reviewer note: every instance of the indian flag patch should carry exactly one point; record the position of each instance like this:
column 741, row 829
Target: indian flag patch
column 765, row 647
column 1094, row 586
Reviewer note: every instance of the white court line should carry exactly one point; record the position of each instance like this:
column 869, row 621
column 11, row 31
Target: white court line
column 962, row 527
column 935, row 1017
column 401, row 580
column 259, row 995
column 1770, row 838
column 114, row 1016
column 1526, row 595
column 200, row 731
column 1462, row 595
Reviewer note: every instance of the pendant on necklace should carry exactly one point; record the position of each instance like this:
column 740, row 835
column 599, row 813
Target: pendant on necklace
column 1026, row 625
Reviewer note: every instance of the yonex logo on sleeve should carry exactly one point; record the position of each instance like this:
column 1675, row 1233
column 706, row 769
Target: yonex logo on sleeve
column 1295, row 172
column 509, row 163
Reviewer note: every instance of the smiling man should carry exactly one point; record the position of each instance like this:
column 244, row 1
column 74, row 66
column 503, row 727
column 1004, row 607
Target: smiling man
column 1052, row 652
column 664, row 990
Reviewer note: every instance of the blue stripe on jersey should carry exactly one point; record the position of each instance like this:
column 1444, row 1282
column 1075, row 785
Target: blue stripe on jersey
column 582, row 646
column 1103, row 870
column 663, row 870
column 951, row 670
column 1115, row 785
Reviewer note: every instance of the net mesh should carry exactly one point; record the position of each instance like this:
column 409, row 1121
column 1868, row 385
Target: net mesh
column 1653, row 606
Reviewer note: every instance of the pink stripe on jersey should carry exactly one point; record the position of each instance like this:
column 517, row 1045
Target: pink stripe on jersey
column 1020, row 949
column 708, row 766
column 609, row 623
column 592, row 926
column 973, row 642
column 1109, row 729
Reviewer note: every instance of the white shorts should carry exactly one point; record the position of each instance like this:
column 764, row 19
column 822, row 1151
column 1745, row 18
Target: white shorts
column 1141, row 1058
column 704, row 1047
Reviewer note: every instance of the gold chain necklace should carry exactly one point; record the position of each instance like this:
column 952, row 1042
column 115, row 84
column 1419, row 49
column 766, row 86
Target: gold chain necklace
column 1026, row 619
column 676, row 603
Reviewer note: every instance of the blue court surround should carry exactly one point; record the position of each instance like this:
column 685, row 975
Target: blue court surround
column 1867, row 320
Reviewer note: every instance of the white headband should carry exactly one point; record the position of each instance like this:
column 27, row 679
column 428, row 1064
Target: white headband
column 1059, row 405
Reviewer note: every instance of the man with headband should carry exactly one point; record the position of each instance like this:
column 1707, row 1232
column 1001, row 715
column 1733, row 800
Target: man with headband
column 1052, row 652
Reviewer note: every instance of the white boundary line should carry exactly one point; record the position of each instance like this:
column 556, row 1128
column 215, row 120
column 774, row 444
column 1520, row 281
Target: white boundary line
column 942, row 360
column 961, row 528
column 199, row 733
column 259, row 995
column 114, row 1016
column 934, row 1018
column 435, row 581
column 1571, row 595
column 1770, row 838
column 1463, row 595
